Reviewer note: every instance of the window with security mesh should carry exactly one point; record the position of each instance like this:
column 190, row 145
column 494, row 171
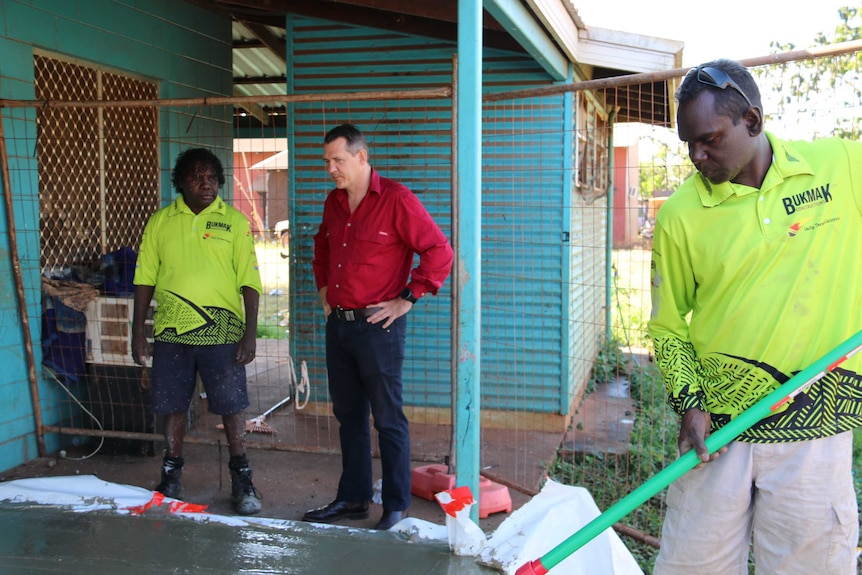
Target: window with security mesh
column 98, row 165
column 592, row 134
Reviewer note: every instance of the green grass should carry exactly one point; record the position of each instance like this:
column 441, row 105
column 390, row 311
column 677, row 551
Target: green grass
column 631, row 298
column 274, row 301
column 272, row 332
column 610, row 477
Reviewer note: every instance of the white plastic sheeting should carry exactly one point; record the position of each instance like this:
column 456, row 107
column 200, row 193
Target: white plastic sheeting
column 547, row 520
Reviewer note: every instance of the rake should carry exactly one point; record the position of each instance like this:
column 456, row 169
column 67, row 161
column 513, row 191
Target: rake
column 259, row 425
column 302, row 387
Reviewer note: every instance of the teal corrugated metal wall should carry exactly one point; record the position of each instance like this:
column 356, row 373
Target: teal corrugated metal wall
column 522, row 242
column 185, row 49
column 522, row 246
column 409, row 140
column 17, row 442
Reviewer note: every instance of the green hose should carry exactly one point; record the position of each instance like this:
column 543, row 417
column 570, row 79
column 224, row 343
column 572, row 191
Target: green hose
column 714, row 442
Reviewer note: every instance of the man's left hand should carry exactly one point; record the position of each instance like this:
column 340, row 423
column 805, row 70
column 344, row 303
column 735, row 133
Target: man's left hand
column 246, row 349
column 694, row 429
column 390, row 311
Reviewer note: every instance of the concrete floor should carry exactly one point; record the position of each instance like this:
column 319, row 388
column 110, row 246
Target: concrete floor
column 49, row 540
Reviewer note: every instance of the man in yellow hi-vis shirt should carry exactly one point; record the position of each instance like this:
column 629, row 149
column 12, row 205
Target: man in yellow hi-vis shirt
column 756, row 273
column 197, row 258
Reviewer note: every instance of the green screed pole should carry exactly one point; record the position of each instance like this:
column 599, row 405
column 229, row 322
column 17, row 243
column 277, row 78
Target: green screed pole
column 714, row 442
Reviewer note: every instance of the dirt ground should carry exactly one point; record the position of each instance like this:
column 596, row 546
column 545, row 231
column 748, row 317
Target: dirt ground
column 291, row 482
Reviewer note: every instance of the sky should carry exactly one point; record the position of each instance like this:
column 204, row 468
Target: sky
column 734, row 29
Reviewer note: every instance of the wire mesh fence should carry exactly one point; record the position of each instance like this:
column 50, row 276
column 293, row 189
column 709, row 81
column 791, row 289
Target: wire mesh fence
column 567, row 383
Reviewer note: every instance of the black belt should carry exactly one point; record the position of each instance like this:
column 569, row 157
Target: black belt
column 354, row 314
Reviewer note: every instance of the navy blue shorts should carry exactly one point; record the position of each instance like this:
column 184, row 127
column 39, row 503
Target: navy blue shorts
column 173, row 377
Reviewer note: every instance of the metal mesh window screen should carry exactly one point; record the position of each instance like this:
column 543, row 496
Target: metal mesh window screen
column 98, row 167
column 592, row 149
column 67, row 147
column 131, row 162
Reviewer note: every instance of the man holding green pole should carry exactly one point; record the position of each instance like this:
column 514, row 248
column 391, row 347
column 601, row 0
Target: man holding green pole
column 756, row 274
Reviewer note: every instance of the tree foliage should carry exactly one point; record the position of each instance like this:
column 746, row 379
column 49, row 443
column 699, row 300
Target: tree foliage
column 666, row 169
column 814, row 87
column 820, row 96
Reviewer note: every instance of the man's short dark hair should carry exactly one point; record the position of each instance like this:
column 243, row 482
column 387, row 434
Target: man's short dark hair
column 190, row 158
column 728, row 102
column 355, row 139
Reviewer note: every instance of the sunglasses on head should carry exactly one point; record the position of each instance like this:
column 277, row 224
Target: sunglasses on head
column 717, row 79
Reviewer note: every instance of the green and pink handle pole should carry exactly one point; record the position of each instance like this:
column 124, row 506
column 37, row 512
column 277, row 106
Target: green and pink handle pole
column 767, row 405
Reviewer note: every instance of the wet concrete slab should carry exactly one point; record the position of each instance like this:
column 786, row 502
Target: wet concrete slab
column 38, row 539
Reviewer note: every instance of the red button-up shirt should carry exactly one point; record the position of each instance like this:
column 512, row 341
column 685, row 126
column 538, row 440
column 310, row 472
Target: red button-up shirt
column 365, row 257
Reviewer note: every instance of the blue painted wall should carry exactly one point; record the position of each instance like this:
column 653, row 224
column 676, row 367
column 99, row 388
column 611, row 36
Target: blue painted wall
column 526, row 202
column 183, row 48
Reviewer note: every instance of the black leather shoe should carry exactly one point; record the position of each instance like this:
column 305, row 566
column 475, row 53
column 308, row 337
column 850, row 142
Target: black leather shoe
column 389, row 519
column 337, row 510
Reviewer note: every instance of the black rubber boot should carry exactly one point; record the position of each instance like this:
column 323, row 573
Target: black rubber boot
column 244, row 497
column 172, row 471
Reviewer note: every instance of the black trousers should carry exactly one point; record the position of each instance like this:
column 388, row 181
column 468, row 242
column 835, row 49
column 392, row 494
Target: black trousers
column 365, row 364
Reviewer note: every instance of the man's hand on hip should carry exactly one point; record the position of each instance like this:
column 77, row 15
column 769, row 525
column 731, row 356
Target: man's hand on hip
column 389, row 310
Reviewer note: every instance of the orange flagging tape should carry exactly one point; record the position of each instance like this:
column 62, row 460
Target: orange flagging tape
column 175, row 506
column 461, row 498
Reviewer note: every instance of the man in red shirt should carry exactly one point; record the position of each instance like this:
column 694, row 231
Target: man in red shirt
column 363, row 252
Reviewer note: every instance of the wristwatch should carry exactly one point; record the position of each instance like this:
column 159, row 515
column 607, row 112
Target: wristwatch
column 408, row 295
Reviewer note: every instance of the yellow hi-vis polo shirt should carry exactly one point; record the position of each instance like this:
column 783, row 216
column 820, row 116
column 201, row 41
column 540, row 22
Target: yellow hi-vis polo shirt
column 772, row 280
column 198, row 264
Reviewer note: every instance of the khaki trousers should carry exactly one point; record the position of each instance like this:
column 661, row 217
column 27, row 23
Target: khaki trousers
column 794, row 501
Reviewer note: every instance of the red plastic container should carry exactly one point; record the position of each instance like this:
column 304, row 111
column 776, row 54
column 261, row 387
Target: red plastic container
column 430, row 479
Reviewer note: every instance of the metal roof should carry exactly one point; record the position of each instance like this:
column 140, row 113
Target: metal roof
column 259, row 44
column 257, row 69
